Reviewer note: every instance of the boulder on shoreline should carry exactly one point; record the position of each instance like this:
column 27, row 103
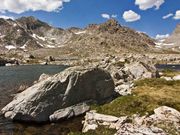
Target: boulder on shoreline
column 124, row 72
column 63, row 90
column 8, row 62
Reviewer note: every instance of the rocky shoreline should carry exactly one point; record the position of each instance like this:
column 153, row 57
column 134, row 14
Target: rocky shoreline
column 30, row 59
column 72, row 92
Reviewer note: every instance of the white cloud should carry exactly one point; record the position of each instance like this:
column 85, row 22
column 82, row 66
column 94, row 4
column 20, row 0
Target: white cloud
column 167, row 16
column 146, row 4
column 114, row 16
column 106, row 16
column 177, row 15
column 159, row 37
column 20, row 6
column 6, row 17
column 131, row 16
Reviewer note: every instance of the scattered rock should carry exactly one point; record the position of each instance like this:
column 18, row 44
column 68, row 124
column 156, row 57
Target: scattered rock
column 165, row 113
column 124, row 89
column 50, row 58
column 135, row 125
column 9, row 65
column 8, row 62
column 44, row 63
column 93, row 120
column 176, row 78
column 29, row 56
column 141, row 70
column 167, row 78
column 69, row 112
column 131, row 129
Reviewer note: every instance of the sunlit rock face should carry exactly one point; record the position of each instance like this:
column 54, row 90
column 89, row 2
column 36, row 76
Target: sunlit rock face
column 54, row 94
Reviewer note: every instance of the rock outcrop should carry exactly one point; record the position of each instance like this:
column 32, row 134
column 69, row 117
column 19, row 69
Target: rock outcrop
column 53, row 96
column 125, row 70
column 145, row 125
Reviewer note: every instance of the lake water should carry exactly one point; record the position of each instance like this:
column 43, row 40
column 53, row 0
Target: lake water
column 10, row 80
column 169, row 66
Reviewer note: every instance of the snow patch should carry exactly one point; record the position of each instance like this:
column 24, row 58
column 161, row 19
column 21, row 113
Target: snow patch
column 40, row 44
column 160, row 44
column 10, row 47
column 157, row 46
column 50, row 46
column 170, row 44
column 38, row 37
column 80, row 32
column 24, row 46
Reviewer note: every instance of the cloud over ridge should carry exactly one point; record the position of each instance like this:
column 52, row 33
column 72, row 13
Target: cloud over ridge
column 20, row 6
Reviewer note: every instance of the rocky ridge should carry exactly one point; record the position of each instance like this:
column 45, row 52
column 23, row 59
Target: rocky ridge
column 29, row 33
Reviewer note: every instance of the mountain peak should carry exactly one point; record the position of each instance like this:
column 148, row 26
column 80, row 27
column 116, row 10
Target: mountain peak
column 112, row 22
column 31, row 23
column 110, row 26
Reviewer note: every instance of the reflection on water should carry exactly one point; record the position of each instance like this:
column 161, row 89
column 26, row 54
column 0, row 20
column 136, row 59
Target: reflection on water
column 10, row 80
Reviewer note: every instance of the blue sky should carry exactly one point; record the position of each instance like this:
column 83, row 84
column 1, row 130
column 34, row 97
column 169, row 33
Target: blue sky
column 80, row 13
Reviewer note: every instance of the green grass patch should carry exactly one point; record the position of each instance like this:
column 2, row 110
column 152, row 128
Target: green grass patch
column 148, row 95
column 170, row 73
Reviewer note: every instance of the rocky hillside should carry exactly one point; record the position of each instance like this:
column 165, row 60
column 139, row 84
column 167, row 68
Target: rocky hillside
column 109, row 37
column 29, row 33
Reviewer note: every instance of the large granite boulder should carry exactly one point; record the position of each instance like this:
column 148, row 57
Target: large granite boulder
column 53, row 95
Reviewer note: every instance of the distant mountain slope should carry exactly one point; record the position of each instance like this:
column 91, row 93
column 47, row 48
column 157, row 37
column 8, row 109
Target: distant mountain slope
column 175, row 37
column 171, row 43
column 29, row 33
column 109, row 37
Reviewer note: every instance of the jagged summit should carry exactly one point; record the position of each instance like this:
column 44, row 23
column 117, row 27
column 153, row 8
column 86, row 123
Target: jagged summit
column 31, row 23
column 111, row 25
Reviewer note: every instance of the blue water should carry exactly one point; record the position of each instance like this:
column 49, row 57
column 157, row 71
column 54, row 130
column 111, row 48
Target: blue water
column 10, row 77
column 169, row 67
